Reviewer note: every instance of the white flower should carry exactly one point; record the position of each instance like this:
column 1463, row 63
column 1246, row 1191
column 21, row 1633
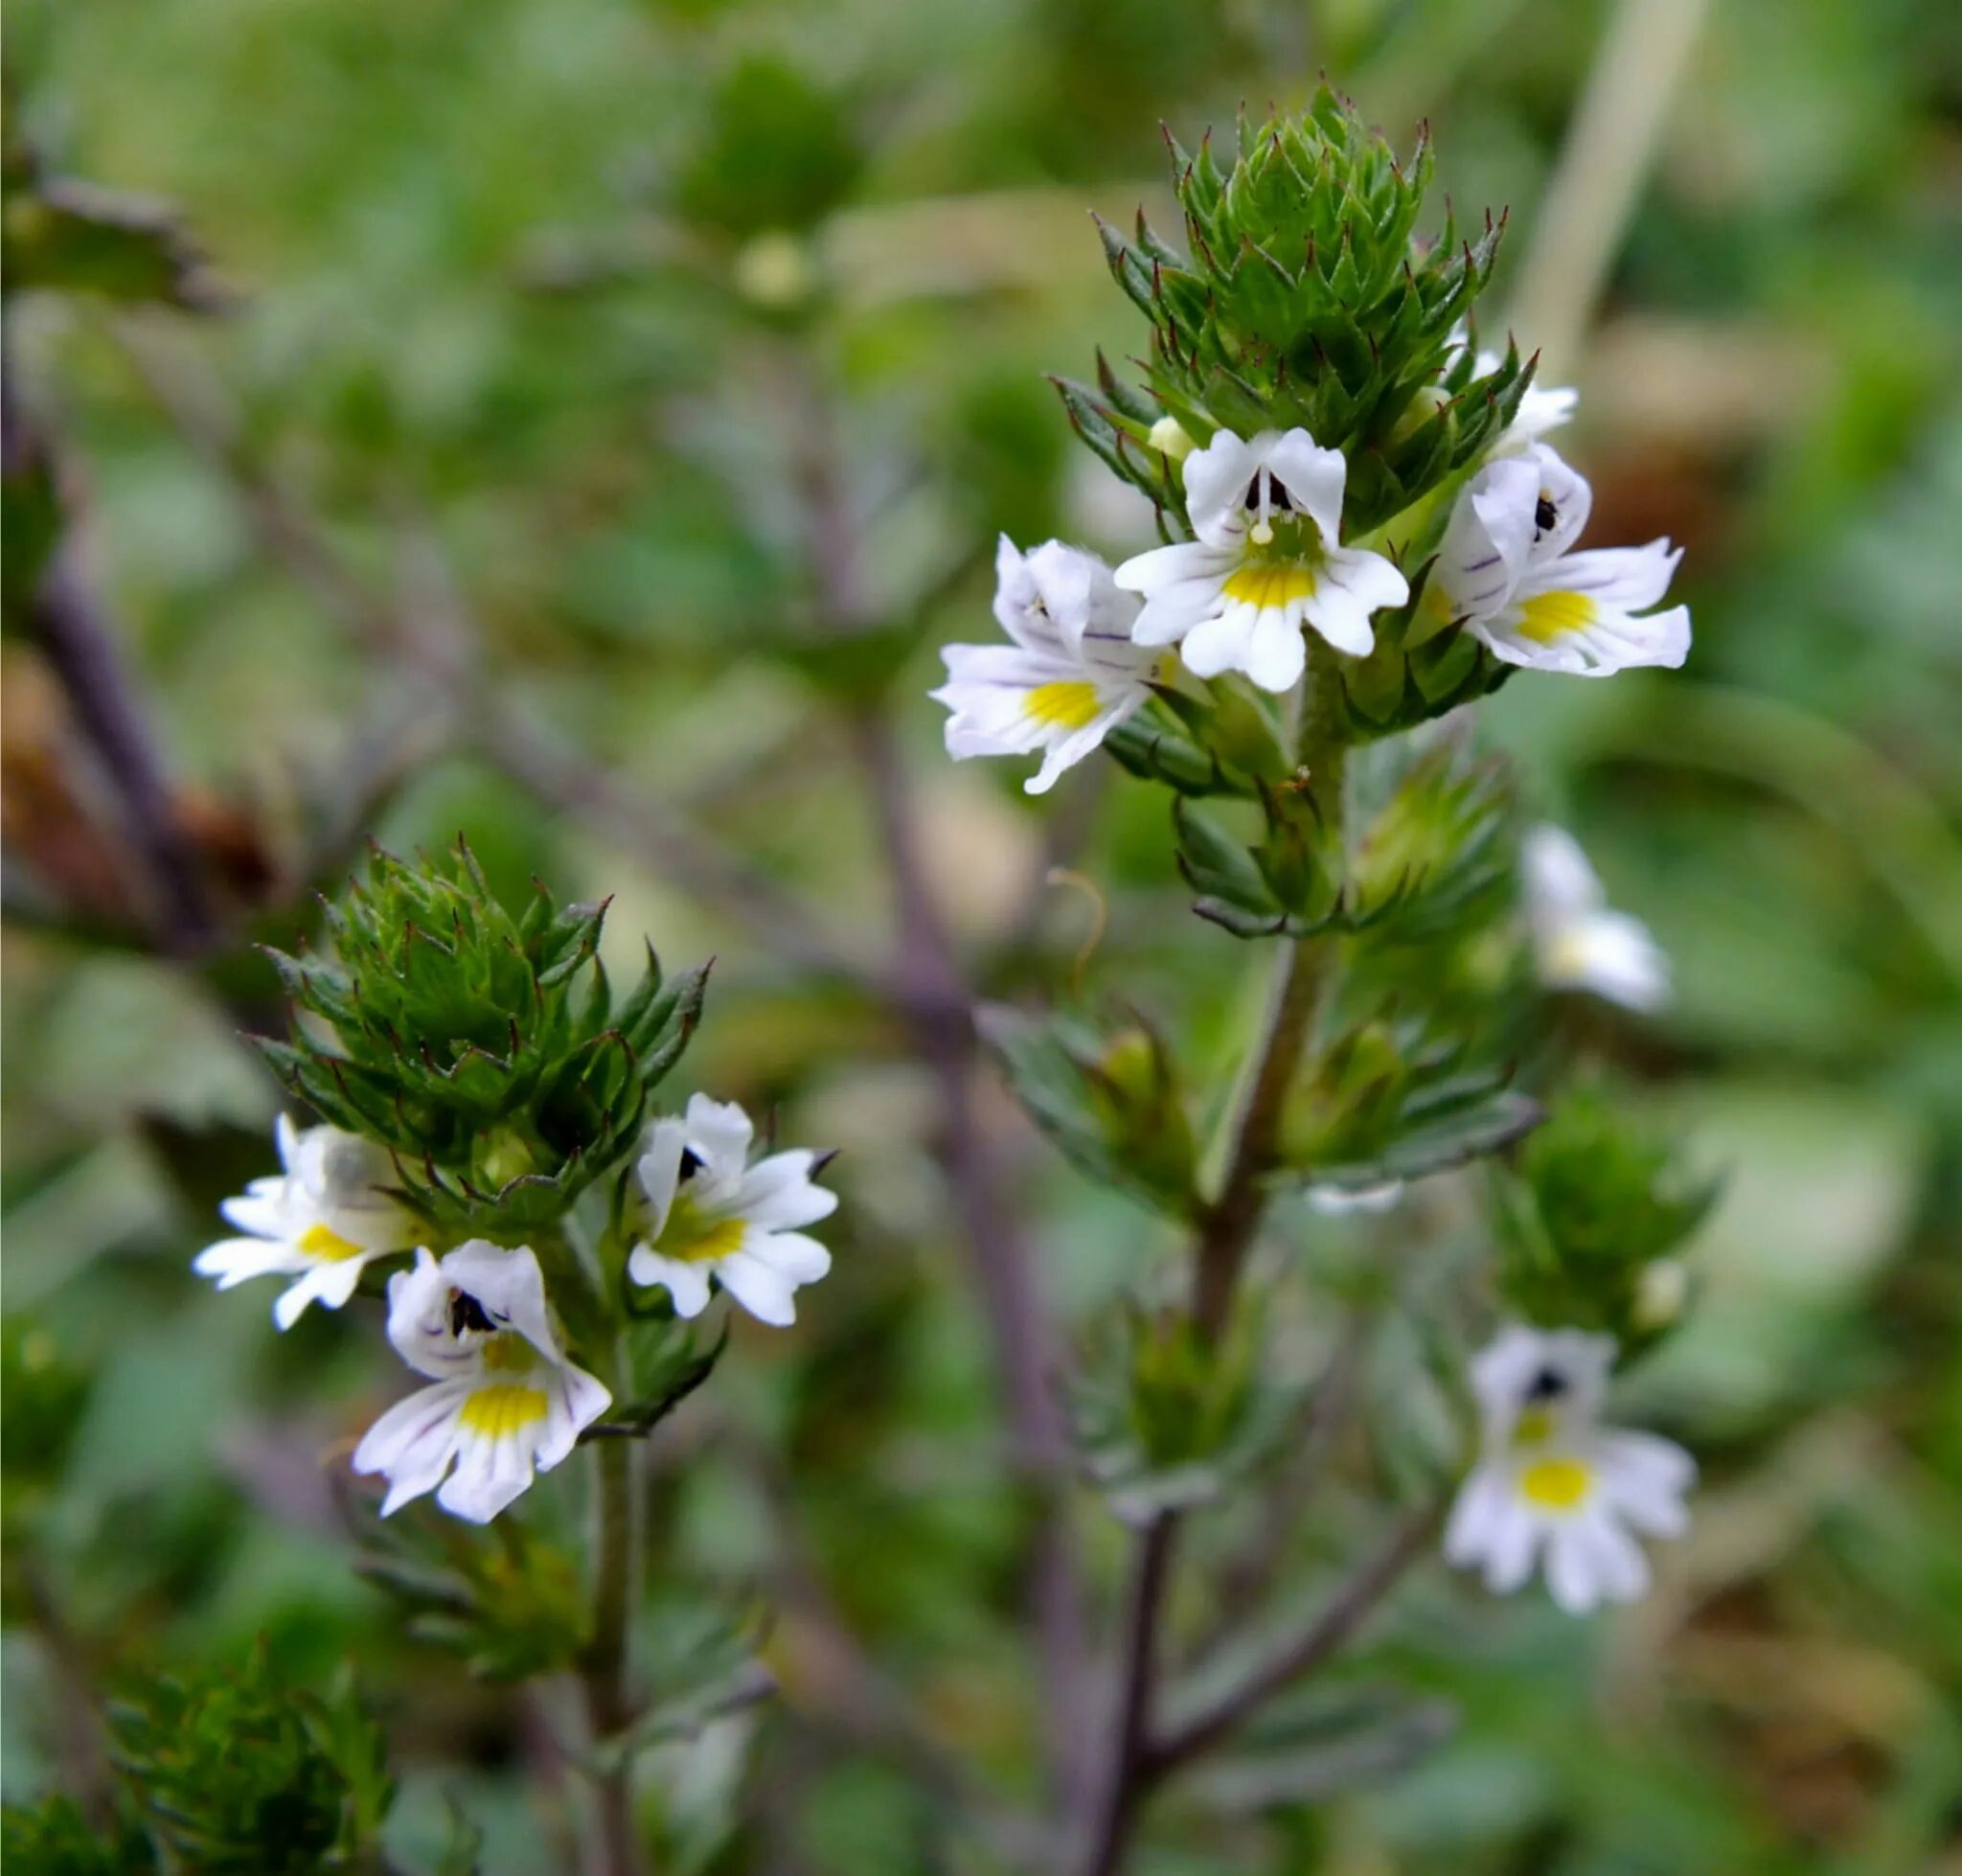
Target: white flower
column 1338, row 1201
column 1505, row 573
column 1541, row 409
column 1579, row 941
column 713, row 1214
column 1550, row 1478
column 506, row 1403
column 1071, row 675
column 323, row 1219
column 1267, row 512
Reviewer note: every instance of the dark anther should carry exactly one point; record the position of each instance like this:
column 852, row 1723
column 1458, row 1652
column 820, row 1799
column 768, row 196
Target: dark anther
column 1547, row 1386
column 1277, row 499
column 1544, row 514
column 691, row 1164
column 467, row 1313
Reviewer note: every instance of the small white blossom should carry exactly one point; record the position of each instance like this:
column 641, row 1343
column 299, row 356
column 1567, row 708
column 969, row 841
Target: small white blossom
column 507, row 1404
column 1506, row 574
column 1267, row 512
column 1542, row 408
column 1579, row 941
column 1071, row 675
column 1339, row 1200
column 1552, row 1483
column 323, row 1219
column 710, row 1213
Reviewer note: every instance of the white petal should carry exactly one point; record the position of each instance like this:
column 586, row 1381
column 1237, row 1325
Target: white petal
column 1215, row 484
column 1016, row 595
column 778, row 1192
column 489, row 1476
column 510, row 1286
column 1337, row 1201
column 1612, row 953
column 801, row 1259
column 659, row 1169
column 1313, row 478
column 1629, row 579
column 1645, row 1476
column 1072, row 748
column 577, row 1399
column 1159, row 567
column 1609, row 641
column 1621, row 1571
column 765, row 1294
column 1511, row 1546
column 1079, row 595
column 1489, row 538
column 1564, row 490
column 1275, row 653
column 1592, row 1560
column 418, row 1317
column 237, row 1260
column 720, row 1134
column 1573, row 1570
column 1374, row 578
column 1220, row 643
column 1483, row 1502
column 1559, row 877
column 329, row 1285
column 688, row 1284
column 262, row 1211
column 1342, row 619
column 413, row 1442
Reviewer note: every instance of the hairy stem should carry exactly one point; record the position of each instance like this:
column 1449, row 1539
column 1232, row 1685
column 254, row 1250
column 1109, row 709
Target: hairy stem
column 69, row 623
column 1227, row 1233
column 606, row 1672
column 1303, row 1652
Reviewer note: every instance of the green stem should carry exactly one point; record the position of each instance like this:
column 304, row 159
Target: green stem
column 606, row 1672
column 1225, row 1235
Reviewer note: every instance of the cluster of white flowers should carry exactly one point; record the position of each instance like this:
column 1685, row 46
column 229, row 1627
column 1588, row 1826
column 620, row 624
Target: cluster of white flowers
column 1266, row 566
column 1553, row 1483
column 506, row 1402
column 1268, row 563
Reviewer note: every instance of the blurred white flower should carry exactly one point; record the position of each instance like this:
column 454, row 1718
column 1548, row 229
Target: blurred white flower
column 1544, row 407
column 1338, row 1200
column 506, row 1403
column 1579, row 941
column 1506, row 575
column 324, row 1220
column 1267, row 512
column 710, row 1213
column 1553, row 1484
column 1071, row 675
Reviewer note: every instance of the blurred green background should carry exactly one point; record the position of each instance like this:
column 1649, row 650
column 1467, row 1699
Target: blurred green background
column 567, row 323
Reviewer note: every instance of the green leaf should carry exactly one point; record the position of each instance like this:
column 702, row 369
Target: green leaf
column 1104, row 1088
column 64, row 236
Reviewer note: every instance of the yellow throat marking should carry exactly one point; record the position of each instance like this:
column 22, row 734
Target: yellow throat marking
column 508, row 1353
column 501, row 1410
column 1532, row 1426
column 1556, row 1484
column 699, row 1240
column 1269, row 587
column 1547, row 616
column 327, row 1244
column 1068, row 704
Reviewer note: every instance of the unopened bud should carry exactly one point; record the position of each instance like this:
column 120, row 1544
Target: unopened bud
column 774, row 271
column 1169, row 438
column 1660, row 1294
